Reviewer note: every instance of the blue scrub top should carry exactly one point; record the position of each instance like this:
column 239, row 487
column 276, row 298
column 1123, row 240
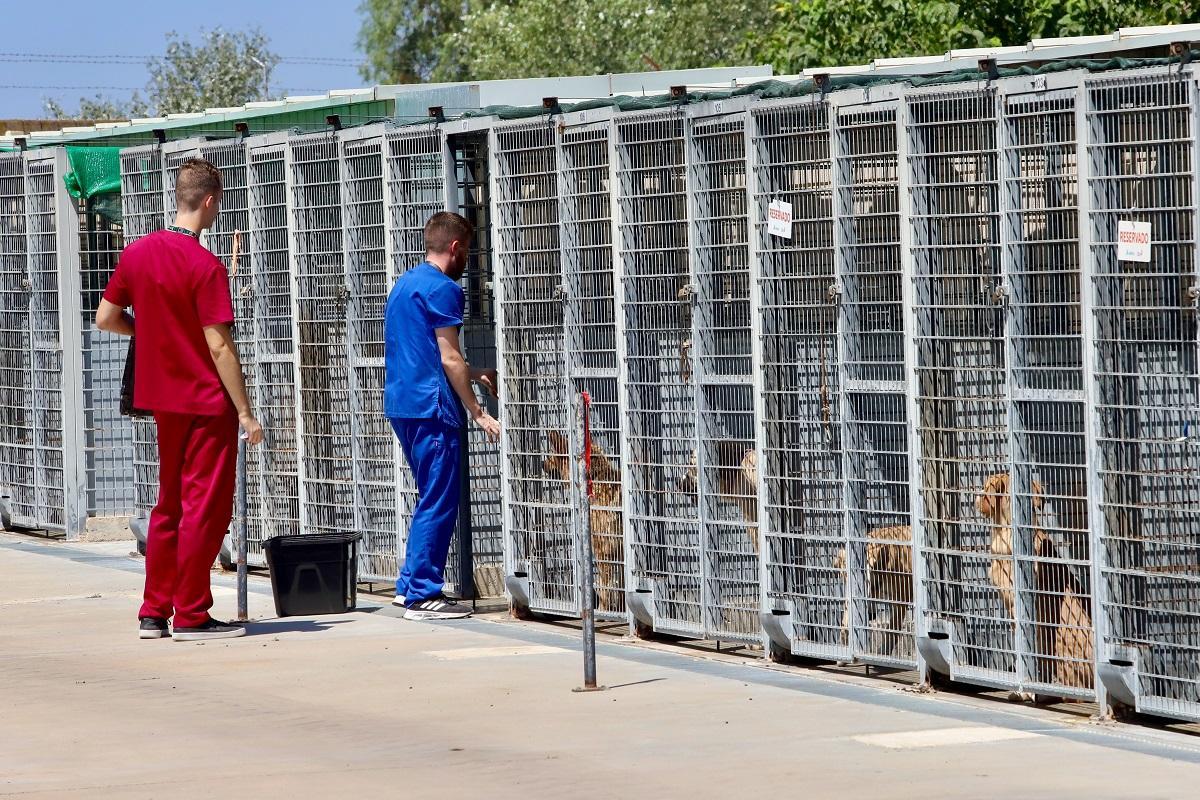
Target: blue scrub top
column 416, row 387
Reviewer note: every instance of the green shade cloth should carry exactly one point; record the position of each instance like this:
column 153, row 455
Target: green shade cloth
column 95, row 176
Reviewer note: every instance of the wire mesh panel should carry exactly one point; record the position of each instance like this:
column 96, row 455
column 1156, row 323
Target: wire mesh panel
column 1040, row 544
column 327, row 474
column 52, row 227
column 107, row 437
column 375, row 464
column 480, row 520
column 586, row 233
column 962, row 422
column 17, row 480
column 142, row 213
column 415, row 175
column 719, row 368
column 275, row 385
column 878, row 623
column 801, row 468
column 538, row 417
column 1141, row 149
column 662, row 507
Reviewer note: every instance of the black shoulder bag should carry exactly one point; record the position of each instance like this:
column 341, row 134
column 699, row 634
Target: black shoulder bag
column 127, row 407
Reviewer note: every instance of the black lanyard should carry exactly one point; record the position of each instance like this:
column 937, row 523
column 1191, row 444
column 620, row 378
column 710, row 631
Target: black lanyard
column 177, row 229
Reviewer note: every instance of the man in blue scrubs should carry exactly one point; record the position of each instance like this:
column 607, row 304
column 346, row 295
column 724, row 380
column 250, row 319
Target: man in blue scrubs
column 428, row 397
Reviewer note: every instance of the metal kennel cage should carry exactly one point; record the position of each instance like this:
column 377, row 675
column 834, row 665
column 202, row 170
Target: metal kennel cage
column 1141, row 160
column 557, row 334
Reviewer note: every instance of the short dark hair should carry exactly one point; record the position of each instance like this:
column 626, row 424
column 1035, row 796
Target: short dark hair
column 445, row 227
column 197, row 179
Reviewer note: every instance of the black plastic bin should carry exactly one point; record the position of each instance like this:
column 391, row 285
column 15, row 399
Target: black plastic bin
column 313, row 574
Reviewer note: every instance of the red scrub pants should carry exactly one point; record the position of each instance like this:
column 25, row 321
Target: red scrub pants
column 197, row 470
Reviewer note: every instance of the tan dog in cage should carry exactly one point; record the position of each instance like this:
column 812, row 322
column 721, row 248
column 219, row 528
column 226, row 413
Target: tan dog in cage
column 608, row 540
column 737, row 482
column 889, row 575
column 1062, row 615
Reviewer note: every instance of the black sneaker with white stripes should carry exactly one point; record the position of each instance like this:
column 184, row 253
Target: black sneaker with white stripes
column 437, row 608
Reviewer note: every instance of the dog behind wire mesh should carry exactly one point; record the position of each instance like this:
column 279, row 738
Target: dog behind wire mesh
column 1062, row 613
column 608, row 540
column 737, row 481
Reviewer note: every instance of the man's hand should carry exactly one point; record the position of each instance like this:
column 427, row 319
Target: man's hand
column 490, row 426
column 488, row 380
column 254, row 431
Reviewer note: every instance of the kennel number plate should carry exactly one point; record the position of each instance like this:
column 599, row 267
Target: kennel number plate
column 779, row 219
column 1133, row 241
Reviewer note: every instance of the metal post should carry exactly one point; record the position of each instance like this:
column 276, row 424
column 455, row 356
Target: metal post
column 242, row 532
column 587, row 574
column 464, row 532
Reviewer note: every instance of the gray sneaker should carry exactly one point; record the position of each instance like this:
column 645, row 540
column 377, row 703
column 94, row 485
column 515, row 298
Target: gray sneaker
column 437, row 608
column 212, row 629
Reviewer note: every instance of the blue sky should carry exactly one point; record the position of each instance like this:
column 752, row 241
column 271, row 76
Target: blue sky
column 296, row 28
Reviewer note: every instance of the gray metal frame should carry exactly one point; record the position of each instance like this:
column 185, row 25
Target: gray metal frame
column 319, row 325
column 804, row 576
column 687, row 400
column 17, row 473
column 867, row 129
column 556, row 339
column 585, row 191
column 52, row 229
column 662, row 526
column 538, row 436
column 276, row 402
column 1145, row 387
column 368, row 277
column 106, row 436
column 997, row 386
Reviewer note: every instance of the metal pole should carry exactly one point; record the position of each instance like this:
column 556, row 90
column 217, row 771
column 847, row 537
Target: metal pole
column 242, row 533
column 464, row 531
column 587, row 573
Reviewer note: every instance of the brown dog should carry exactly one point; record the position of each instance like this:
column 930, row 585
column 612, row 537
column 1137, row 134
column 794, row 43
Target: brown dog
column 737, row 482
column 608, row 540
column 1062, row 614
column 889, row 575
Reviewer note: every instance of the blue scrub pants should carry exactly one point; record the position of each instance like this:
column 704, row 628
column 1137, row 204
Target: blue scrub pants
column 433, row 450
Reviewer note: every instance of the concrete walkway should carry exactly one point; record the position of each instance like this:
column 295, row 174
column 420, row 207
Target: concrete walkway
column 367, row 704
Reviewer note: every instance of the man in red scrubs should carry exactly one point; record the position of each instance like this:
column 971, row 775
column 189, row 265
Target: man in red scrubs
column 187, row 372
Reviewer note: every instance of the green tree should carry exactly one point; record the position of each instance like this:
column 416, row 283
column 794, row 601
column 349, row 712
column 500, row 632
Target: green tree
column 448, row 40
column 224, row 69
column 99, row 108
column 814, row 33
column 531, row 38
column 403, row 40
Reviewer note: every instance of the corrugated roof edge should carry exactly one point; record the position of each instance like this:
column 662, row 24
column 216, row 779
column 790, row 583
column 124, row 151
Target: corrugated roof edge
column 774, row 89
